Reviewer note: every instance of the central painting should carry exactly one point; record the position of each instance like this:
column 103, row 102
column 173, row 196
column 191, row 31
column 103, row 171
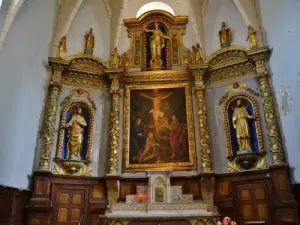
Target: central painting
column 159, row 128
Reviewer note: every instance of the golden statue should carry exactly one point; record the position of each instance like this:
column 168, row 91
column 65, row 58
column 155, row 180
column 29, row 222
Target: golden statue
column 115, row 58
column 62, row 48
column 225, row 35
column 89, row 42
column 157, row 43
column 124, row 61
column 198, row 54
column 240, row 123
column 75, row 134
column 252, row 37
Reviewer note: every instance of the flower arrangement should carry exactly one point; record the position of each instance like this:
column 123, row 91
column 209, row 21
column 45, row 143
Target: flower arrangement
column 226, row 221
column 141, row 198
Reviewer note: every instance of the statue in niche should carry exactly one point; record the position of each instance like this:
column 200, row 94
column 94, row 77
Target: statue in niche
column 225, row 36
column 89, row 42
column 75, row 130
column 157, row 43
column 115, row 58
column 62, row 48
column 240, row 124
column 252, row 37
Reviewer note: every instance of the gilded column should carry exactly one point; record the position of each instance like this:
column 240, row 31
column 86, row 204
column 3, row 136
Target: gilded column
column 49, row 126
column 205, row 149
column 272, row 125
column 113, row 152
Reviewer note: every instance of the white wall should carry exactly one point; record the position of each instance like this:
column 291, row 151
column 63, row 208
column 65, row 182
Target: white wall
column 280, row 24
column 91, row 14
column 22, row 88
column 218, row 11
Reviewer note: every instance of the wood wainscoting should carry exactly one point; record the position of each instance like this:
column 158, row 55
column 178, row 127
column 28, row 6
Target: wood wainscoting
column 12, row 205
column 66, row 200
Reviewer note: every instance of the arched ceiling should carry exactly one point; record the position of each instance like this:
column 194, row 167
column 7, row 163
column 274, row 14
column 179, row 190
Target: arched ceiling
column 67, row 10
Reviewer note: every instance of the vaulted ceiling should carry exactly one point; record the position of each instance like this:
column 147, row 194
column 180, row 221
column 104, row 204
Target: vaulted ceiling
column 67, row 10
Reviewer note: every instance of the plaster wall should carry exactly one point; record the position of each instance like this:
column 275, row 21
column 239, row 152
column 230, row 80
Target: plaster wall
column 23, row 86
column 281, row 31
column 92, row 13
column 218, row 11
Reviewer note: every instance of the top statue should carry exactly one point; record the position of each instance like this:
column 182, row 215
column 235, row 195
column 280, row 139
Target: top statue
column 157, row 43
column 225, row 36
column 89, row 42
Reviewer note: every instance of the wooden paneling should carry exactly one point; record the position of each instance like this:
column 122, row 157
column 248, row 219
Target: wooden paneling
column 12, row 206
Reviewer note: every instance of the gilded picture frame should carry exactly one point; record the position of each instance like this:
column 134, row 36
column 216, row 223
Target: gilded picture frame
column 131, row 91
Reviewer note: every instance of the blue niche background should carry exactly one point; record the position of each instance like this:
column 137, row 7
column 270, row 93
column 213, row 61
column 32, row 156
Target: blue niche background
column 164, row 50
column 86, row 116
column 251, row 124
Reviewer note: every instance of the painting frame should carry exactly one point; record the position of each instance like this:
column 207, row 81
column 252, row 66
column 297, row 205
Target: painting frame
column 160, row 166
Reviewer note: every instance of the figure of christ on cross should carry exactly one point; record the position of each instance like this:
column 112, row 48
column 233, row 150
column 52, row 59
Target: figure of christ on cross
column 156, row 98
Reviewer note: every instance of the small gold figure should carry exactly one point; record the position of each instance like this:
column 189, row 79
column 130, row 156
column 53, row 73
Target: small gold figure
column 89, row 42
column 157, row 43
column 115, row 58
column 62, row 48
column 252, row 37
column 75, row 134
column 124, row 61
column 240, row 123
column 225, row 36
column 198, row 54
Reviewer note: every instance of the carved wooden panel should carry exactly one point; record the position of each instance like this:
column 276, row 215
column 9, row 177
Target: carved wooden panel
column 98, row 191
column 42, row 187
column 223, row 187
column 282, row 184
column 62, row 215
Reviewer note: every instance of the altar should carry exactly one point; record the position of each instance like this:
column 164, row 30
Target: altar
column 159, row 134
column 159, row 201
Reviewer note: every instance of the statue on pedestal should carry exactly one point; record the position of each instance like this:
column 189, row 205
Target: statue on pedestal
column 89, row 42
column 252, row 37
column 225, row 36
column 115, row 58
column 157, row 43
column 62, row 48
column 240, row 124
column 198, row 54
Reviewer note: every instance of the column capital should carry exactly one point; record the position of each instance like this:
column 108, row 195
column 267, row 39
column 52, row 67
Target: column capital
column 57, row 66
column 115, row 75
column 198, row 72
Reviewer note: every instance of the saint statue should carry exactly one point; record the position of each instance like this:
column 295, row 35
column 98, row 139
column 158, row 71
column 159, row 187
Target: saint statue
column 198, row 54
column 225, row 35
column 62, row 48
column 240, row 123
column 115, row 58
column 252, row 37
column 75, row 134
column 89, row 42
column 157, row 43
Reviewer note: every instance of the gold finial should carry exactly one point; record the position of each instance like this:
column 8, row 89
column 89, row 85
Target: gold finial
column 252, row 37
column 89, row 42
column 225, row 36
column 62, row 48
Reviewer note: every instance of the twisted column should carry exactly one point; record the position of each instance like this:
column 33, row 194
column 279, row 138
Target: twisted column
column 205, row 149
column 113, row 151
column 49, row 126
column 272, row 125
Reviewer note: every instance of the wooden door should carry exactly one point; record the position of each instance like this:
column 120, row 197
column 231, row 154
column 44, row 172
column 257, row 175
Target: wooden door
column 253, row 202
column 69, row 206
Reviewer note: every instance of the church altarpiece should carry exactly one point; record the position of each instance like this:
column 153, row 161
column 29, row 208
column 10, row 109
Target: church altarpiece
column 205, row 129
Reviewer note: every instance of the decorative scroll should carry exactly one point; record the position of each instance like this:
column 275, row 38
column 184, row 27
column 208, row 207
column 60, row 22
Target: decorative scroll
column 137, row 51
